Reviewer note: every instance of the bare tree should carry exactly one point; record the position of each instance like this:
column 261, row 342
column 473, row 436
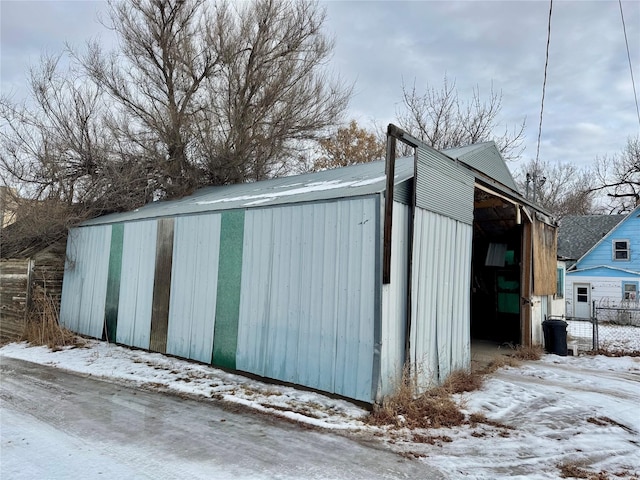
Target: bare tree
column 562, row 189
column 348, row 146
column 439, row 118
column 58, row 147
column 60, row 153
column 155, row 80
column 196, row 93
column 618, row 177
column 222, row 94
column 273, row 94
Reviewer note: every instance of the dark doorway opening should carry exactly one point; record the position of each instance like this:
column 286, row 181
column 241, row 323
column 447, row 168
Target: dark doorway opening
column 496, row 269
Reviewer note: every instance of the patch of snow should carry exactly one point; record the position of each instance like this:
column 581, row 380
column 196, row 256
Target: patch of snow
column 309, row 187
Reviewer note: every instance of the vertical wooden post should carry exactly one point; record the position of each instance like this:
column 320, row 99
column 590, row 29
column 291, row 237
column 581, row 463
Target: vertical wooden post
column 390, row 169
column 526, row 283
column 29, row 288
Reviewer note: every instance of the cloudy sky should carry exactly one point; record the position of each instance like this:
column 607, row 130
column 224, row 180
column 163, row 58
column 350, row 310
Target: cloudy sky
column 589, row 105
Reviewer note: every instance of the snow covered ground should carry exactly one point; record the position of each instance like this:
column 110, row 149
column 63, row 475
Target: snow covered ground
column 613, row 338
column 578, row 411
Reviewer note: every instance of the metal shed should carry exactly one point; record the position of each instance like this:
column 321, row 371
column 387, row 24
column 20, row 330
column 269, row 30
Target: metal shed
column 284, row 278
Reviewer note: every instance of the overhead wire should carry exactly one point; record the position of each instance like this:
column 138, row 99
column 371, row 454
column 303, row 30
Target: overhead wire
column 544, row 82
column 626, row 41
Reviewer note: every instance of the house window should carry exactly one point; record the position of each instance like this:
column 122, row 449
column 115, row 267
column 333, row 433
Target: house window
column 560, row 283
column 621, row 250
column 630, row 291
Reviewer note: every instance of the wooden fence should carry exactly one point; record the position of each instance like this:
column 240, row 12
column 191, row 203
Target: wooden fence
column 18, row 280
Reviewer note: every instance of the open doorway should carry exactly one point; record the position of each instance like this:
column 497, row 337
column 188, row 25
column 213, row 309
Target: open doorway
column 496, row 269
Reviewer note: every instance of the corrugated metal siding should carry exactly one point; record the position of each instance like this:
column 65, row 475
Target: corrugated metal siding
column 308, row 295
column 484, row 157
column 403, row 192
column 136, row 284
column 394, row 304
column 444, row 187
column 84, row 286
column 194, row 283
column 440, row 329
column 490, row 162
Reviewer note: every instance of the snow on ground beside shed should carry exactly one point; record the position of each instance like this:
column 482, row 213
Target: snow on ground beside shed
column 581, row 411
column 611, row 337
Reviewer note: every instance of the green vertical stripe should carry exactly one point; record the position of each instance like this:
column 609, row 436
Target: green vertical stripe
column 225, row 332
column 113, row 283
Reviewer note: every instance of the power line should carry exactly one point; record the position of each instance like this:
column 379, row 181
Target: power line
column 544, row 82
column 633, row 83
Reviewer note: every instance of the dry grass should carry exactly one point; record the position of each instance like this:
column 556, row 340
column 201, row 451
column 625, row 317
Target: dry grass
column 433, row 409
column 462, row 381
column 497, row 363
column 42, row 327
column 476, row 418
column 570, row 470
column 527, row 353
column 614, row 353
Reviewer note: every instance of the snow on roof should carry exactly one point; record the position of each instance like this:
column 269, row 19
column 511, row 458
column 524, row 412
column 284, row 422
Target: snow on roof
column 352, row 181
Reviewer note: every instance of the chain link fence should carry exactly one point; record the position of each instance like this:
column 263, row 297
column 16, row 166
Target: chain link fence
column 614, row 330
column 618, row 328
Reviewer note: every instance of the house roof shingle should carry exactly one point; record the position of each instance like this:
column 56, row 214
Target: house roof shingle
column 578, row 233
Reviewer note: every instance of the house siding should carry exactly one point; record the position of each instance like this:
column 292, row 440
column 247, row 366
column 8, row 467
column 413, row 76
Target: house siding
column 605, row 291
column 602, row 253
column 605, row 274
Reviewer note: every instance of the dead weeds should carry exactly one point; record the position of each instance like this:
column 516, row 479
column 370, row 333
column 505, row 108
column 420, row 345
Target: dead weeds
column 527, row 353
column 476, row 418
column 462, row 381
column 571, row 470
column 434, row 408
column 431, row 439
column 42, row 326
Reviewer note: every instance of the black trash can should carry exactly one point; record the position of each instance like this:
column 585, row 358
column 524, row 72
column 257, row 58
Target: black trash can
column 555, row 336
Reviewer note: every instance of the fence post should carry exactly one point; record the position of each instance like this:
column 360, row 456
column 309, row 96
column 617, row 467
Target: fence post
column 28, row 294
column 594, row 322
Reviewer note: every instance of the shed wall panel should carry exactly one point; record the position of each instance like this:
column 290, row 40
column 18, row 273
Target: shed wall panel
column 394, row 304
column 308, row 295
column 444, row 187
column 136, row 284
column 194, row 282
column 84, row 286
column 440, row 328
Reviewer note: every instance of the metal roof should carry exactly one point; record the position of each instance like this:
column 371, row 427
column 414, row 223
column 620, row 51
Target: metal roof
column 351, row 181
column 578, row 233
column 484, row 157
